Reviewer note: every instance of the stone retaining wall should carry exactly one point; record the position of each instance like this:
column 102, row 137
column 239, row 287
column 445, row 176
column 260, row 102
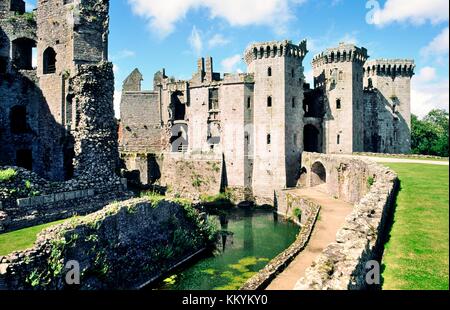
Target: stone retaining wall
column 119, row 247
column 263, row 278
column 27, row 200
column 341, row 265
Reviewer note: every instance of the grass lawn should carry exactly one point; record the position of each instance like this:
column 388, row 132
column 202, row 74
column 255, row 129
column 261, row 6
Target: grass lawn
column 21, row 239
column 417, row 254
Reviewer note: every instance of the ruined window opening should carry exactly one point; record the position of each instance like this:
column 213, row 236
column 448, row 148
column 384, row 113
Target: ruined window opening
column 69, row 169
column 269, row 139
column 179, row 107
column 49, row 61
column 18, row 119
column 338, row 104
column 69, row 111
column 24, row 159
column 213, row 99
column 22, row 53
column 3, row 65
column 269, row 102
column 269, row 71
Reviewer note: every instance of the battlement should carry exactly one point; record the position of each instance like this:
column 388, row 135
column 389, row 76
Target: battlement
column 275, row 49
column 342, row 53
column 390, row 67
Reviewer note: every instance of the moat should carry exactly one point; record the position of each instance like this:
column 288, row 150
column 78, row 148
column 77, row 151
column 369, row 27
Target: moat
column 249, row 241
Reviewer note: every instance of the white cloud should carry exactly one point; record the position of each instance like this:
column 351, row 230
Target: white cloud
column 117, row 98
column 218, row 40
column 123, row 54
column 195, row 42
column 428, row 92
column 412, row 11
column 162, row 16
column 426, row 74
column 231, row 64
column 438, row 46
column 350, row 38
column 116, row 68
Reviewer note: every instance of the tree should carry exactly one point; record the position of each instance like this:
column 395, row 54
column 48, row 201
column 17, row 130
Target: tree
column 430, row 135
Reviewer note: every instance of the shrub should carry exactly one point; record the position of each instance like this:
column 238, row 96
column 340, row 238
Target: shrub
column 297, row 213
column 7, row 175
column 370, row 181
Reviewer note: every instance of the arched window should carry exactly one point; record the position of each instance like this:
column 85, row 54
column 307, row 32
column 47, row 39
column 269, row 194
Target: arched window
column 269, row 71
column 269, row 102
column 18, row 119
column 49, row 61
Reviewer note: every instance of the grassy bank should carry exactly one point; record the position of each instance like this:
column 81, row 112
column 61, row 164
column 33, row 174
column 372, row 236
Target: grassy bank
column 417, row 254
column 21, row 239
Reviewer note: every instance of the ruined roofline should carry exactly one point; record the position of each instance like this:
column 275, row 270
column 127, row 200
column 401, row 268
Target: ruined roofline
column 345, row 52
column 273, row 49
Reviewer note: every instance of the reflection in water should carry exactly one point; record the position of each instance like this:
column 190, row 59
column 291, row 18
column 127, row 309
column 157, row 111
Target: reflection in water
column 249, row 239
column 248, row 230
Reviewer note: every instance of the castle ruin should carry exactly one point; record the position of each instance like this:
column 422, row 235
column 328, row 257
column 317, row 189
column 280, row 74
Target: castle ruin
column 260, row 122
column 56, row 110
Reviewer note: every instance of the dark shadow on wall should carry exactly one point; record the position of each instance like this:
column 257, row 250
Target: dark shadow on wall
column 388, row 110
column 30, row 137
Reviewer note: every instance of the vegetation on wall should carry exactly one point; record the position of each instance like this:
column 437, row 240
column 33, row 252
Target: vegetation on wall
column 430, row 135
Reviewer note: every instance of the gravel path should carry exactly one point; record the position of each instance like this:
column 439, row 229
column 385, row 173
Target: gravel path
column 331, row 219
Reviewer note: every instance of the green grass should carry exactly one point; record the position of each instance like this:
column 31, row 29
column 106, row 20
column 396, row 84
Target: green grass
column 21, row 239
column 417, row 254
column 7, row 175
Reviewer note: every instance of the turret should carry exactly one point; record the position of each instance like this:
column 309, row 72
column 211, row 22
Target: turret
column 338, row 72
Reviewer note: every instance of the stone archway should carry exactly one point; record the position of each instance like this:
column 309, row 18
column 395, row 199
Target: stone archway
column 311, row 139
column 318, row 174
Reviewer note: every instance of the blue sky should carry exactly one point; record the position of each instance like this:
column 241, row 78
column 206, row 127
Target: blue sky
column 172, row 34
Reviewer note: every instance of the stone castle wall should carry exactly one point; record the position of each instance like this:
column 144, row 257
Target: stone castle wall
column 122, row 246
column 373, row 189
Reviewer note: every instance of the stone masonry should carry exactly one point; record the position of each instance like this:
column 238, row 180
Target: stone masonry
column 57, row 116
column 259, row 123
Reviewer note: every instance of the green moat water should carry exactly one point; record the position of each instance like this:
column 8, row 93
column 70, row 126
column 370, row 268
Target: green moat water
column 251, row 240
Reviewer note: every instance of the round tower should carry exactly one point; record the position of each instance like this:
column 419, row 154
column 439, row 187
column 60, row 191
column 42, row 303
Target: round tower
column 278, row 113
column 339, row 73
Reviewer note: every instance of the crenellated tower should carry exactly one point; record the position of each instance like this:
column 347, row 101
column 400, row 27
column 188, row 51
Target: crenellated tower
column 278, row 113
column 338, row 72
column 387, row 85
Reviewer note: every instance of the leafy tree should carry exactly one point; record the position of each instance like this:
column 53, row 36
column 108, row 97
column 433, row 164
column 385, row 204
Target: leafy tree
column 430, row 135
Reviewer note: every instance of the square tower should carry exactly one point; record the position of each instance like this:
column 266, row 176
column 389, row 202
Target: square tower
column 339, row 73
column 278, row 113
